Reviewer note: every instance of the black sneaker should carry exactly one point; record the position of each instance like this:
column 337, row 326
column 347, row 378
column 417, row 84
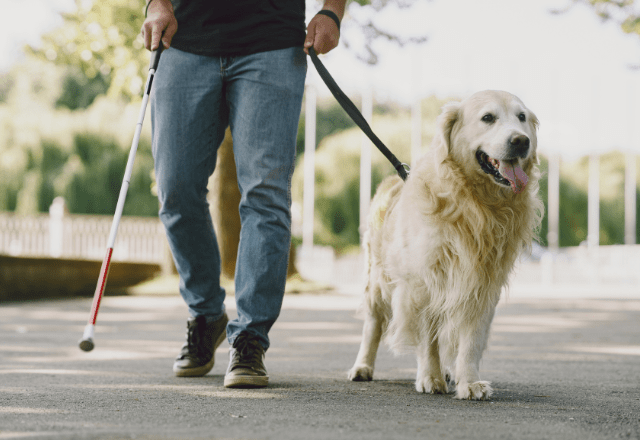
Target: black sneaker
column 246, row 364
column 197, row 355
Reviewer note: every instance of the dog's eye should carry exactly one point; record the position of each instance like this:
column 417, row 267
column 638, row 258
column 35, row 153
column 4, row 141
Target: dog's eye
column 488, row 118
column 522, row 117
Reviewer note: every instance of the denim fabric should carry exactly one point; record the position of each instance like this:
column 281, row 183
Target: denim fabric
column 194, row 99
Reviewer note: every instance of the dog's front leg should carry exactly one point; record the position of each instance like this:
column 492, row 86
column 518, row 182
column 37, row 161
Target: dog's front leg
column 471, row 344
column 371, row 334
column 430, row 378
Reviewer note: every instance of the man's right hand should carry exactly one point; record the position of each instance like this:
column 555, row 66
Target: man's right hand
column 160, row 23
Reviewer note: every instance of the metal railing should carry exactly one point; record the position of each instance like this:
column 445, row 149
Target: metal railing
column 64, row 235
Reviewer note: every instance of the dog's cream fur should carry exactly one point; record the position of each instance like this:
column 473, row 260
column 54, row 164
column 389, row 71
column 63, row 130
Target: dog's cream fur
column 441, row 245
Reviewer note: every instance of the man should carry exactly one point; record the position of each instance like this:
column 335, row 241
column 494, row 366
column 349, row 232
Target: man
column 241, row 64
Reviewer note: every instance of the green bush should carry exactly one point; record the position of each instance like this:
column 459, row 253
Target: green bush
column 89, row 177
column 93, row 183
column 79, row 92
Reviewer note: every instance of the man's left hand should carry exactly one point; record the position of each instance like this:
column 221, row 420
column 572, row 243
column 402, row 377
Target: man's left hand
column 323, row 34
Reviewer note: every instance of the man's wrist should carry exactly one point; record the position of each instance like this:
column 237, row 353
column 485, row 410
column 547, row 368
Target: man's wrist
column 332, row 15
column 335, row 6
column 165, row 2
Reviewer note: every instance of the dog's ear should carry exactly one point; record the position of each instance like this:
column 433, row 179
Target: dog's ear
column 446, row 121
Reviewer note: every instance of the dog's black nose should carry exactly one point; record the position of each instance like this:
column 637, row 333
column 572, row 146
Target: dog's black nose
column 519, row 145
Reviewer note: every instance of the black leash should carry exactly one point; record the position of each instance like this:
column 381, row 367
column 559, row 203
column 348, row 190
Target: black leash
column 354, row 113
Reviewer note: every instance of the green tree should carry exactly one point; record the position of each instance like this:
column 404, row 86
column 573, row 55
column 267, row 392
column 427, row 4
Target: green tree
column 102, row 39
column 369, row 29
column 625, row 12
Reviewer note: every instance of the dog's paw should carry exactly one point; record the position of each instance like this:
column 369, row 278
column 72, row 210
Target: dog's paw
column 360, row 373
column 431, row 385
column 480, row 390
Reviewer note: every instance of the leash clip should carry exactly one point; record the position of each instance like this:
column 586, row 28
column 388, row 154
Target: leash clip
column 403, row 170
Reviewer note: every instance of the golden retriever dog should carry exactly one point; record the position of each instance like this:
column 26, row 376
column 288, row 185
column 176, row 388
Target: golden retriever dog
column 441, row 246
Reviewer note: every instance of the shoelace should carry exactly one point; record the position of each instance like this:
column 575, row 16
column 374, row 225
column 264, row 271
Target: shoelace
column 193, row 336
column 249, row 351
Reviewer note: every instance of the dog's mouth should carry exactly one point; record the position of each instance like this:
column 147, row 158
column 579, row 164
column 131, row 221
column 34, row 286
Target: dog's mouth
column 506, row 172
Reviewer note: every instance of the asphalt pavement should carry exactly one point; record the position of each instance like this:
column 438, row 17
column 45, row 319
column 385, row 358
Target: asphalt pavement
column 560, row 368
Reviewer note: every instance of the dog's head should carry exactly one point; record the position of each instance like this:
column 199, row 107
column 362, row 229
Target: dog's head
column 491, row 134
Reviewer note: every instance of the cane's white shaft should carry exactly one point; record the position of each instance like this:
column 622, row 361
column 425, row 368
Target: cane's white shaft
column 129, row 170
column 86, row 343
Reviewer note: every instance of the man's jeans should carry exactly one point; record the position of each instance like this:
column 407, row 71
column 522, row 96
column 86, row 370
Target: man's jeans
column 194, row 99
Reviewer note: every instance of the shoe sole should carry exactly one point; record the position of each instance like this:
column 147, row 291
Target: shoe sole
column 201, row 371
column 246, row 381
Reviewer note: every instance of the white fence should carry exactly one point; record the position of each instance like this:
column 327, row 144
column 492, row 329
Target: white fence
column 61, row 235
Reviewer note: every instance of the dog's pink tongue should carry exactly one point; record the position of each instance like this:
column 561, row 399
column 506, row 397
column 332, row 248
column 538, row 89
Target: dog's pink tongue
column 514, row 174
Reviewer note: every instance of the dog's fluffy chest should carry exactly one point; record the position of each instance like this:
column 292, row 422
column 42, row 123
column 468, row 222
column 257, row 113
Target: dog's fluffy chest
column 449, row 248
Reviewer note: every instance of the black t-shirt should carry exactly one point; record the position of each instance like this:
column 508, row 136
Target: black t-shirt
column 238, row 27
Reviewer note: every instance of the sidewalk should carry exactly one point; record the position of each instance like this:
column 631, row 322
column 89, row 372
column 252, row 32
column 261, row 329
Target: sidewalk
column 561, row 369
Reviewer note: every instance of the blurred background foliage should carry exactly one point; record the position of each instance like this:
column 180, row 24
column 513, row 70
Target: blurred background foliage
column 67, row 116
column 101, row 43
column 622, row 11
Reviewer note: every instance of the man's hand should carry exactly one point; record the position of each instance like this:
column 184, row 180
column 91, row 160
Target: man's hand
column 160, row 23
column 323, row 33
